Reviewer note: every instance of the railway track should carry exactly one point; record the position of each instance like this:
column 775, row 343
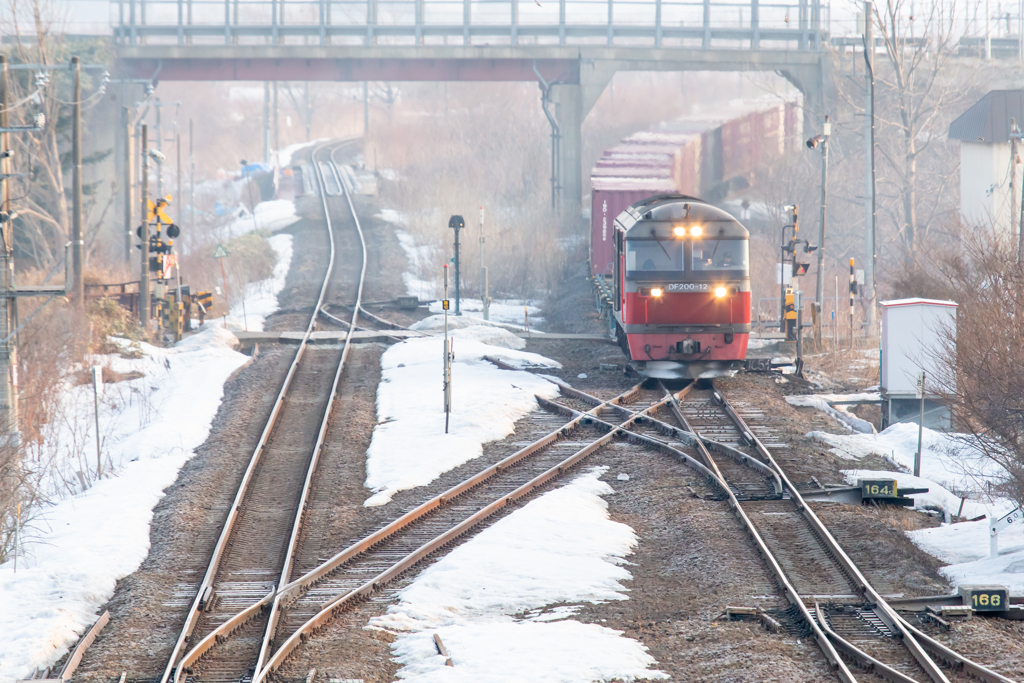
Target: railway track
column 250, row 615
column 369, row 564
column 851, row 621
column 255, row 551
column 854, row 626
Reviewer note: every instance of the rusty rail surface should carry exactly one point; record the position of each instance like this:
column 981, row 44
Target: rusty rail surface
column 914, row 640
column 175, row 667
column 333, row 608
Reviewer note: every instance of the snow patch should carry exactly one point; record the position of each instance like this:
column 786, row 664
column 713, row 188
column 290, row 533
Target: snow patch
column 512, row 312
column 945, row 458
column 965, row 546
column 284, row 156
column 418, row 257
column 82, row 545
column 840, row 412
column 261, row 297
column 560, row 548
column 409, row 446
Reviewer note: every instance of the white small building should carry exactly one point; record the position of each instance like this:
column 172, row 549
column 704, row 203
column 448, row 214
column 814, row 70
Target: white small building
column 985, row 171
column 914, row 337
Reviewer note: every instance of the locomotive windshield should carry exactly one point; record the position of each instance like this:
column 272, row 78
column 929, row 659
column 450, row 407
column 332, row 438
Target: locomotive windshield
column 718, row 255
column 654, row 255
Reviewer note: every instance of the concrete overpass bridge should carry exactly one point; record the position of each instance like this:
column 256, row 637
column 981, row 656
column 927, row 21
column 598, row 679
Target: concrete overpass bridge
column 571, row 47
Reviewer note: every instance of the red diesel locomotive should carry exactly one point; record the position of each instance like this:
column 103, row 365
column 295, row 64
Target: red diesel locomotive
column 680, row 294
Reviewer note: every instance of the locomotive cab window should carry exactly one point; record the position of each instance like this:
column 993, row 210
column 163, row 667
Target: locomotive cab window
column 720, row 255
column 644, row 255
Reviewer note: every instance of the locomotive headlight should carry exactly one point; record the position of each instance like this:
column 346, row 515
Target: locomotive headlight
column 696, row 231
column 721, row 291
column 656, row 291
column 679, row 231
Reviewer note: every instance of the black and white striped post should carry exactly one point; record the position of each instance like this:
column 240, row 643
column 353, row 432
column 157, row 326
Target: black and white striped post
column 853, row 292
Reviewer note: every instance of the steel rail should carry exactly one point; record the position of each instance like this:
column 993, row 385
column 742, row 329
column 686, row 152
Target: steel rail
column 865, row 660
column 205, row 593
column 220, row 634
column 826, row 646
column 294, row 589
column 687, row 434
column 310, row 578
column 322, row 433
column 334, row 607
column 910, row 635
column 820, row 637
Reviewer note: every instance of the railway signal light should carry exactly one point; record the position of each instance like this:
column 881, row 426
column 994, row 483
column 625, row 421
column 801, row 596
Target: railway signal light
column 457, row 223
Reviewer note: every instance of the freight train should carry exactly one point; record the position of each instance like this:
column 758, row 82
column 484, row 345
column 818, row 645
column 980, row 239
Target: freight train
column 680, row 290
column 672, row 272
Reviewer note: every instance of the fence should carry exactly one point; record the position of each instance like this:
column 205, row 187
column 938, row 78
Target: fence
column 700, row 24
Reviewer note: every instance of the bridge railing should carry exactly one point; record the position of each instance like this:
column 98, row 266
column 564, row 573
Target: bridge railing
column 700, row 24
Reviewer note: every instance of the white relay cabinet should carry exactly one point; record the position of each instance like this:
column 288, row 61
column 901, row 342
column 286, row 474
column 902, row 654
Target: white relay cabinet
column 914, row 335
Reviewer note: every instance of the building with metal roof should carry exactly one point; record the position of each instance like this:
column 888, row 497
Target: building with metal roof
column 988, row 181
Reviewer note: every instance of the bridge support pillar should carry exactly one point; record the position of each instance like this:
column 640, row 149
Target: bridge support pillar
column 569, row 113
column 572, row 104
column 817, row 86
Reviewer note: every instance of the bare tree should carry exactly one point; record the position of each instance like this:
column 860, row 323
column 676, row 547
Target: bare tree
column 985, row 353
column 914, row 96
column 42, row 227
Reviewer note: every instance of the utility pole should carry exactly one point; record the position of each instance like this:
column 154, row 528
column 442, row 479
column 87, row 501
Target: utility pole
column 988, row 32
column 869, row 168
column 8, row 351
column 485, row 299
column 309, row 115
column 191, row 179
column 366, row 109
column 128, row 185
column 277, row 129
column 177, row 140
column 819, row 292
column 160, row 148
column 266, row 122
column 1014, row 136
column 1016, row 225
column 78, row 290
column 144, row 236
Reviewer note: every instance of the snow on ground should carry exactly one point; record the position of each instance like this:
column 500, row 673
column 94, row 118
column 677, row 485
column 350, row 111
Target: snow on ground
column 418, row 257
column 965, row 546
column 81, row 545
column 945, row 458
column 284, row 156
column 509, row 311
column 471, row 327
column 271, row 216
column 429, row 287
column 754, row 343
column 260, row 299
column 409, row 446
column 840, row 413
column 559, row 548
column 947, row 464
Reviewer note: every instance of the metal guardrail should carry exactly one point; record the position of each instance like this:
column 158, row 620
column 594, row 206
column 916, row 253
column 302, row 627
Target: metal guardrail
column 703, row 24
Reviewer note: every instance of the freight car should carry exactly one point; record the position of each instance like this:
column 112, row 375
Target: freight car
column 680, row 288
column 698, row 155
